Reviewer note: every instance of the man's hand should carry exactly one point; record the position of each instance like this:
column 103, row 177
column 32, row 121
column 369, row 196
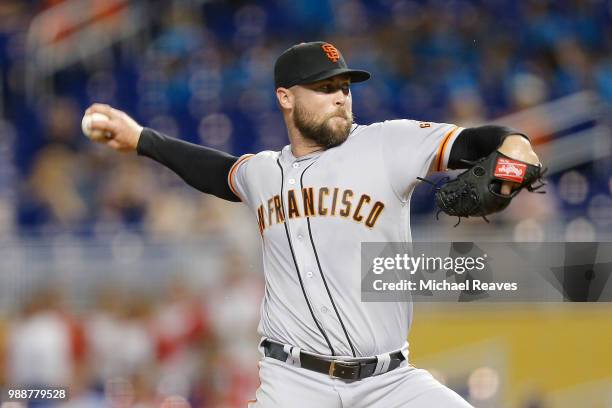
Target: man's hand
column 519, row 148
column 124, row 131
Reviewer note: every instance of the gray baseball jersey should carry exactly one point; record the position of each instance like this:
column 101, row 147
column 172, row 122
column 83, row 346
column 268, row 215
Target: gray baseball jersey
column 315, row 211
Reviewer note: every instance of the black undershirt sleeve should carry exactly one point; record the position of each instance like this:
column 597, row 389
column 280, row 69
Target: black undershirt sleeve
column 203, row 168
column 476, row 142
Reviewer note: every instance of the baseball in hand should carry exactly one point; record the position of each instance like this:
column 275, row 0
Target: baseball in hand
column 95, row 134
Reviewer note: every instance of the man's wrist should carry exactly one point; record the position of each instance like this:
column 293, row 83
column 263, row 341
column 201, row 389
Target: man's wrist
column 141, row 142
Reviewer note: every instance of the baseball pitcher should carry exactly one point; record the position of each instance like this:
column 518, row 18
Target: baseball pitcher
column 335, row 185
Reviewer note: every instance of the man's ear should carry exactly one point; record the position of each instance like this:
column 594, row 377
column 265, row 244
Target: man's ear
column 285, row 98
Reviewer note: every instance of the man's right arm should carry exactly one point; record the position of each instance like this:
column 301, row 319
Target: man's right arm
column 201, row 167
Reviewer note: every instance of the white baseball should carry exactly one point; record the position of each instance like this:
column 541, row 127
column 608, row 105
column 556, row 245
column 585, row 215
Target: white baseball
column 94, row 134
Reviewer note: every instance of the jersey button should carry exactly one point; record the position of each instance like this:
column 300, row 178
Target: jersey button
column 309, row 274
column 300, row 237
column 296, row 165
column 291, row 181
column 324, row 309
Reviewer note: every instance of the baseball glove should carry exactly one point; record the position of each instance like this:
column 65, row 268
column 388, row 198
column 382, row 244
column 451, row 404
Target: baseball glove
column 476, row 191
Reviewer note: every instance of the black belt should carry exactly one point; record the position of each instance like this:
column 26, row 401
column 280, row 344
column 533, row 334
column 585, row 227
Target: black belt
column 347, row 370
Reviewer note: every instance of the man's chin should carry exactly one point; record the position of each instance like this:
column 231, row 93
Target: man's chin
column 340, row 137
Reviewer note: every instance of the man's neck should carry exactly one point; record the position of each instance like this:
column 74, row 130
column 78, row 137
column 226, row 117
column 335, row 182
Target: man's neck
column 299, row 151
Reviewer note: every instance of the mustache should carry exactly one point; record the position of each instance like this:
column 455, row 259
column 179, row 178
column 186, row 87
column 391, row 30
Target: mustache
column 340, row 113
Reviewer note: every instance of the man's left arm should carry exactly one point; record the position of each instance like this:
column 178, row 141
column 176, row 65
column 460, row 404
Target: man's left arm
column 477, row 142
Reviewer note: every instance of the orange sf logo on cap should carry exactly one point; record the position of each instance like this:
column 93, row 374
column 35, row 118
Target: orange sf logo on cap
column 332, row 52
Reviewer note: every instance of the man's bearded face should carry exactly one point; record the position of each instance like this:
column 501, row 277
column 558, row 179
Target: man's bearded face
column 329, row 131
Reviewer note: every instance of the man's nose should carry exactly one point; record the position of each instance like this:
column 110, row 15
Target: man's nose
column 340, row 97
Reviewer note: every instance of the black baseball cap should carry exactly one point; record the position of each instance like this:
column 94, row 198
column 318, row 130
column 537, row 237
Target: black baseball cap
column 310, row 62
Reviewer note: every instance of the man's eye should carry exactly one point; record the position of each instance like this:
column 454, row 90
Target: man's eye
column 330, row 88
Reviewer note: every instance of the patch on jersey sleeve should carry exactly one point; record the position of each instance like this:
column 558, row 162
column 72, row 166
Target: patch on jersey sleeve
column 511, row 170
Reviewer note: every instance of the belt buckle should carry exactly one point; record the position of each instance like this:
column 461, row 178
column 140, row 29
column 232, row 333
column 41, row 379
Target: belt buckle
column 332, row 367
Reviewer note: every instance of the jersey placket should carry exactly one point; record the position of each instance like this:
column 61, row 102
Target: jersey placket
column 304, row 253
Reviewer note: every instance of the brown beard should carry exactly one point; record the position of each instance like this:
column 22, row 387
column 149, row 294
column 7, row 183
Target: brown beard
column 322, row 133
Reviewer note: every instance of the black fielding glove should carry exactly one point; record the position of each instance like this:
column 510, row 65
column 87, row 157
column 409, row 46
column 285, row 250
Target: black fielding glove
column 476, row 191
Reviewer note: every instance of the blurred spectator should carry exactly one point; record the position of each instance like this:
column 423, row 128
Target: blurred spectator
column 179, row 326
column 126, row 191
column 121, row 347
column 235, row 325
column 466, row 108
column 234, row 316
column 54, row 178
column 171, row 215
column 54, row 184
column 42, row 345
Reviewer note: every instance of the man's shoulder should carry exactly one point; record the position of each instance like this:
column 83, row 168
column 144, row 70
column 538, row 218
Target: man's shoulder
column 359, row 131
column 383, row 125
column 266, row 155
column 261, row 158
column 400, row 127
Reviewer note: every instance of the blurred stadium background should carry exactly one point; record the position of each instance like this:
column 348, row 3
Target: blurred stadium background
column 133, row 290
